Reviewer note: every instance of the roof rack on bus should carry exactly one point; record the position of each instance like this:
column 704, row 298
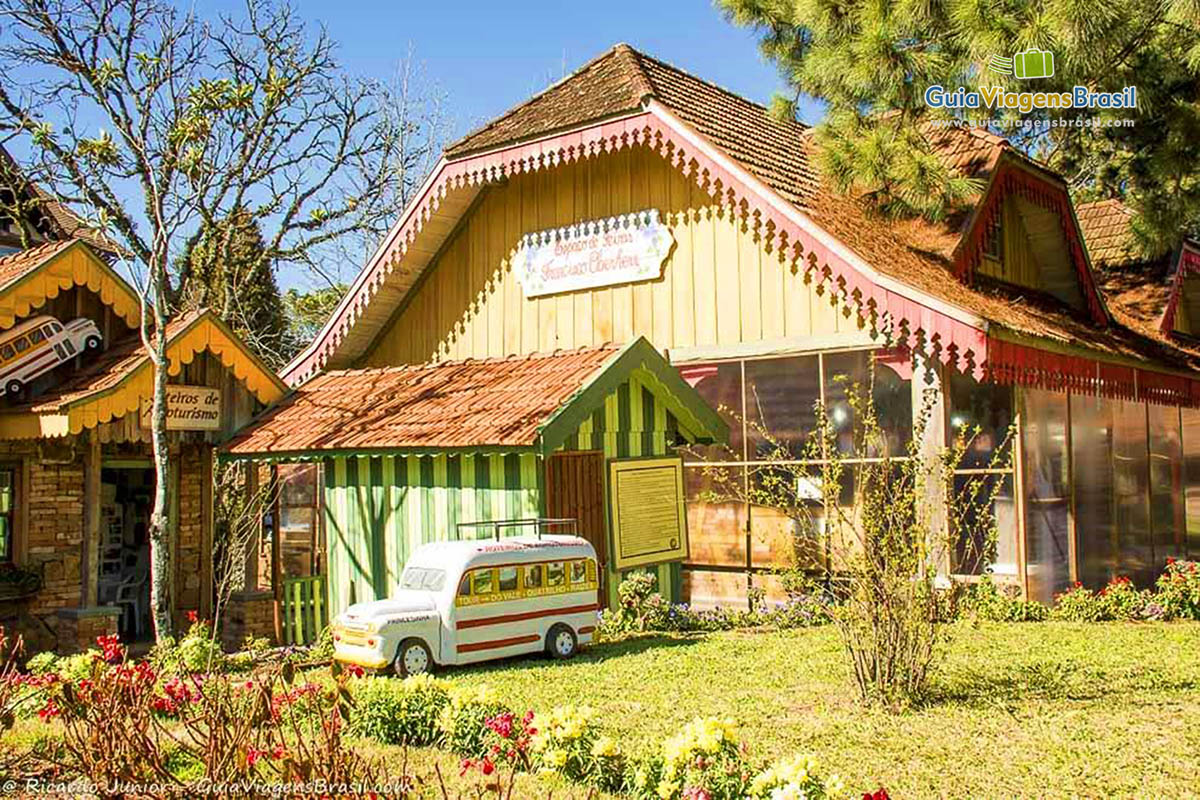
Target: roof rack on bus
column 542, row 526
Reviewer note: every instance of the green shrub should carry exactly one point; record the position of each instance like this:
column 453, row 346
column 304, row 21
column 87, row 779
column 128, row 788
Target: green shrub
column 462, row 721
column 43, row 663
column 399, row 712
column 322, row 648
column 79, row 666
column 1178, row 590
column 988, row 601
column 569, row 743
column 1077, row 604
column 1120, row 600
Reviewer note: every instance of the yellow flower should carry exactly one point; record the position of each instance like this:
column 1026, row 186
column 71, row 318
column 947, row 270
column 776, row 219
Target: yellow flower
column 554, row 758
column 835, row 786
column 667, row 789
column 605, row 747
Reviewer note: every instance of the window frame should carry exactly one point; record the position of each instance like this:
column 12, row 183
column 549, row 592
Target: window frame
column 14, row 513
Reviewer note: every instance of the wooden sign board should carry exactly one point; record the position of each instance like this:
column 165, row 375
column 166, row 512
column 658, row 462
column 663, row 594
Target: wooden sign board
column 189, row 408
column 649, row 517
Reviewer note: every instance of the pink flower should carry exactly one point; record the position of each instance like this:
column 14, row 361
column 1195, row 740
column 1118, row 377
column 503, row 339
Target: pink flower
column 253, row 754
column 50, row 711
column 696, row 793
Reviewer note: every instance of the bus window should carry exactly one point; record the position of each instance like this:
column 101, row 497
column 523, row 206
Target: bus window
column 591, row 570
column 508, row 579
column 533, row 576
column 22, row 344
column 47, row 331
column 464, row 586
column 7, row 352
column 70, row 348
column 481, row 582
column 36, row 335
column 578, row 572
column 555, row 574
column 55, row 327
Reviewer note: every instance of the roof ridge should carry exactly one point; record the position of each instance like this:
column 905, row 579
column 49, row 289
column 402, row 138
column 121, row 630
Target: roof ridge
column 621, row 48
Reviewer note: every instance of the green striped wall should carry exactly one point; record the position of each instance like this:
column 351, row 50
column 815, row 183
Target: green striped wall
column 378, row 509
column 631, row 423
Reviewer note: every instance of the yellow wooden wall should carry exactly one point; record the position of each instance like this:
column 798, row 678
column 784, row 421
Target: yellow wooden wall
column 1018, row 267
column 720, row 285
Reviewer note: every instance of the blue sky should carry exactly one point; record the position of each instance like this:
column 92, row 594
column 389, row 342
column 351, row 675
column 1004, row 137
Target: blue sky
column 488, row 56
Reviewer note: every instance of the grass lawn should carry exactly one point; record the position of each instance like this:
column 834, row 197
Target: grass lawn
column 1029, row 710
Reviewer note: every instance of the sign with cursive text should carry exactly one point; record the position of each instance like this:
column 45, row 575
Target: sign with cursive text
column 623, row 249
column 189, row 408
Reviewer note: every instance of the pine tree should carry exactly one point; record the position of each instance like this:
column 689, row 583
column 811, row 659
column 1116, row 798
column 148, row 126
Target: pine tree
column 870, row 62
column 228, row 272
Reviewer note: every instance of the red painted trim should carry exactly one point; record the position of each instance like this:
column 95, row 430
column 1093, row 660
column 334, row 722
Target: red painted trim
column 1189, row 264
column 497, row 643
column 586, row 629
column 912, row 323
column 519, row 617
column 1013, row 180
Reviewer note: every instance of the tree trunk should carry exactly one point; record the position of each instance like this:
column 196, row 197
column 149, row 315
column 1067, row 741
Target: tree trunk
column 160, row 518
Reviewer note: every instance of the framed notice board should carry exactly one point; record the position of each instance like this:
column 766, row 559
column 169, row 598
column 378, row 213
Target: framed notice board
column 649, row 518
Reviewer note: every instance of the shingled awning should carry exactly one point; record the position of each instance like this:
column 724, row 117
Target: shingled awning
column 503, row 404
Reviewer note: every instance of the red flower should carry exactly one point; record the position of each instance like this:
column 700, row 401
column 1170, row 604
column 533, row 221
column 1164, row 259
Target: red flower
column 355, row 671
column 279, row 752
column 50, row 711
column 464, row 766
column 486, row 766
column 193, row 617
column 878, row 794
column 253, row 754
column 111, row 649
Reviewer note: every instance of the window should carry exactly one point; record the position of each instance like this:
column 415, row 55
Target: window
column 36, row 335
column 533, row 576
column 428, row 578
column 55, row 327
column 983, row 412
column 780, row 396
column 508, row 579
column 464, row 586
column 556, row 575
column 8, row 491
column 47, row 331
column 578, row 572
column 22, row 344
column 7, row 352
column 481, row 582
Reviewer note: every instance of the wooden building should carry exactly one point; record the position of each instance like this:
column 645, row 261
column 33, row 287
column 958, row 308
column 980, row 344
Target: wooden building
column 76, row 477
column 633, row 200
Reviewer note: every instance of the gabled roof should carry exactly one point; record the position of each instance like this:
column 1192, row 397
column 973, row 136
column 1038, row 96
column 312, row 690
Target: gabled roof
column 115, row 382
column 30, row 277
column 63, row 223
column 515, row 403
column 912, row 275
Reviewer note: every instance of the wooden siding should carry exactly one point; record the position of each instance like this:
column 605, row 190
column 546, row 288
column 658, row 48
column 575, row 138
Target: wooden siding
column 720, row 285
column 379, row 509
column 1034, row 253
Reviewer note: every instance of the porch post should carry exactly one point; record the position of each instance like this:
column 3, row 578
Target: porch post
column 90, row 556
column 929, row 395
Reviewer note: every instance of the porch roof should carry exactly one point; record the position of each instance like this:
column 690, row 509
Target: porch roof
column 517, row 403
column 117, row 381
column 30, row 277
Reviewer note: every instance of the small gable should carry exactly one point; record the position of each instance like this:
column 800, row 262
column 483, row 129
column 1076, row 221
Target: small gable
column 1182, row 315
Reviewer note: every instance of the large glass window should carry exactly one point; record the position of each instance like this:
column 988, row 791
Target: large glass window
column 1092, row 461
column 1191, row 463
column 1166, row 484
column 984, row 478
column 1047, row 492
column 779, row 397
column 1131, row 485
column 8, row 496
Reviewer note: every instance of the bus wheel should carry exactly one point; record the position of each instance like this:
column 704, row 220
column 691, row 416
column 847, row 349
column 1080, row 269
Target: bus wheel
column 412, row 658
column 561, row 642
column 92, row 343
column 13, row 387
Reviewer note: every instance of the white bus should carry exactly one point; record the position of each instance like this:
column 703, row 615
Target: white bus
column 40, row 344
column 463, row 602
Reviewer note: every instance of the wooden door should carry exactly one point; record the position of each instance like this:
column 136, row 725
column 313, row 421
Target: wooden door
column 575, row 489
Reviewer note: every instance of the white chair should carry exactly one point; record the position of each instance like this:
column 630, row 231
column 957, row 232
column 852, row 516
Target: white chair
column 129, row 592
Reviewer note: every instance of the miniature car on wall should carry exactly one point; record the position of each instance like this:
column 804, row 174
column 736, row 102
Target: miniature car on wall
column 468, row 601
column 40, row 344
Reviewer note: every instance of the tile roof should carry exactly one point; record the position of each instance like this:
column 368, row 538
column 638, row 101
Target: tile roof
column 105, row 371
column 1140, row 287
column 498, row 402
column 782, row 154
column 17, row 265
column 1107, row 227
column 66, row 223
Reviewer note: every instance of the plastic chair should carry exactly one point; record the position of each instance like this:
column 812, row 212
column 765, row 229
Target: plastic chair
column 128, row 595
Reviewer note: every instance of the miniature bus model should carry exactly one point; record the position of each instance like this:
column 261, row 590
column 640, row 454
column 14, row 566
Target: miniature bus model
column 463, row 602
column 40, row 344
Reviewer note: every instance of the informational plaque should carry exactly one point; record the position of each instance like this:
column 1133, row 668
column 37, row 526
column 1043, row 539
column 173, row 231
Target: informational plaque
column 649, row 519
column 623, row 249
column 189, row 408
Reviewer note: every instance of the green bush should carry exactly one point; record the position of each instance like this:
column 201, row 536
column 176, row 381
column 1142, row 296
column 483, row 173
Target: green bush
column 399, row 712
column 1077, row 604
column 322, row 648
column 43, row 663
column 705, row 759
column 462, row 721
column 1120, row 600
column 988, row 601
column 1178, row 590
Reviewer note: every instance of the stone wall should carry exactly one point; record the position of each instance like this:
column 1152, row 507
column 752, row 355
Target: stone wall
column 189, row 555
column 250, row 613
